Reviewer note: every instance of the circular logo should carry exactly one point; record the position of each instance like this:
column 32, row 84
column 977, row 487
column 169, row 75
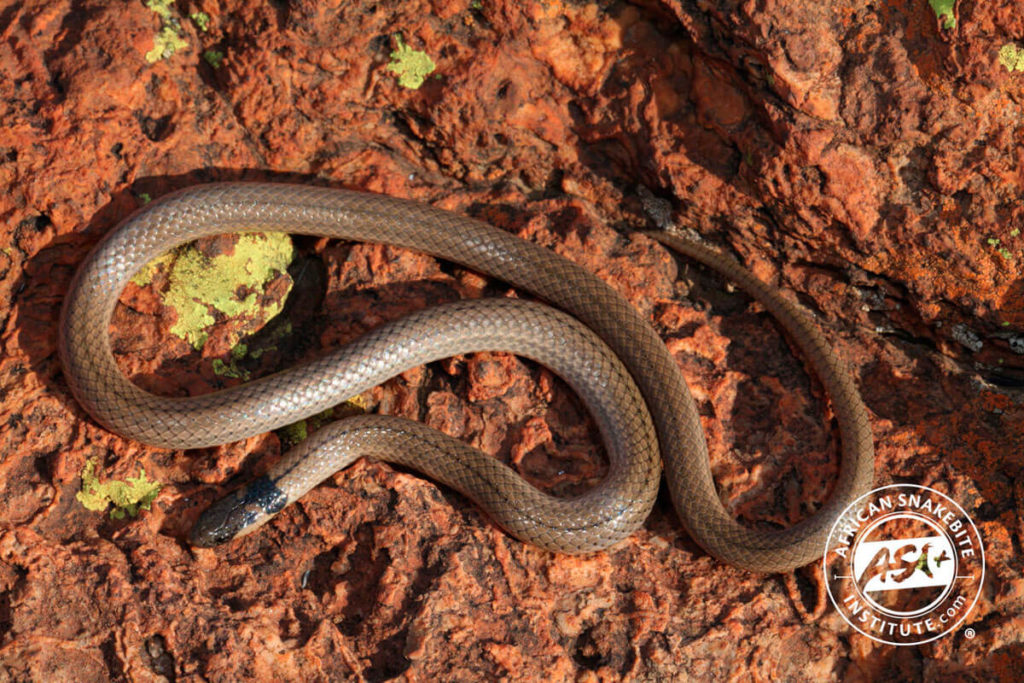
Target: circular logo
column 904, row 564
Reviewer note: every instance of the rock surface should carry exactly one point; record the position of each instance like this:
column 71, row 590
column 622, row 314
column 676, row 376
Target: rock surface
column 866, row 158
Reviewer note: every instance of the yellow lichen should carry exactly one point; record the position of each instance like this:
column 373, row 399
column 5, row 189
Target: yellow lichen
column 168, row 40
column 1012, row 57
column 162, row 8
column 127, row 497
column 199, row 286
column 201, row 20
column 411, row 66
column 145, row 275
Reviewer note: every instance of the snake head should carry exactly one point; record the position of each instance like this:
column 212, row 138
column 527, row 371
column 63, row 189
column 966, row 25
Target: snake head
column 238, row 513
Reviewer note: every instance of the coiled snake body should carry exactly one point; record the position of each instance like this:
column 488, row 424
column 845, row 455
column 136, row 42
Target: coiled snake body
column 626, row 376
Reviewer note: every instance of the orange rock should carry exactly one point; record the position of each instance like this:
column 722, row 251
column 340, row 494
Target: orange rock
column 862, row 158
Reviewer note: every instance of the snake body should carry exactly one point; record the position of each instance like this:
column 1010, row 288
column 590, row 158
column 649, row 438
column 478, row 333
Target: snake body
column 626, row 377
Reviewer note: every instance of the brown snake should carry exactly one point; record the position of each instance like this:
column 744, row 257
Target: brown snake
column 602, row 375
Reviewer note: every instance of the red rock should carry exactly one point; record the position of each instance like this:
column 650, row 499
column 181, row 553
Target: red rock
column 863, row 158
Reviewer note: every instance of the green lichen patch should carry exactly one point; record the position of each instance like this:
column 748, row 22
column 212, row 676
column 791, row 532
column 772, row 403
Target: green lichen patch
column 411, row 66
column 199, row 286
column 240, row 352
column 214, row 58
column 169, row 40
column 233, row 369
column 995, row 243
column 944, row 10
column 127, row 497
column 297, row 432
column 1012, row 57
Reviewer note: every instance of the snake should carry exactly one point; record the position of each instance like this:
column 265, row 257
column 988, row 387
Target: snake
column 576, row 324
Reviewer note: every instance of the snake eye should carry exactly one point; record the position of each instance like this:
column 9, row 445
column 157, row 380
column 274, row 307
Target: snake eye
column 222, row 536
column 211, row 538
